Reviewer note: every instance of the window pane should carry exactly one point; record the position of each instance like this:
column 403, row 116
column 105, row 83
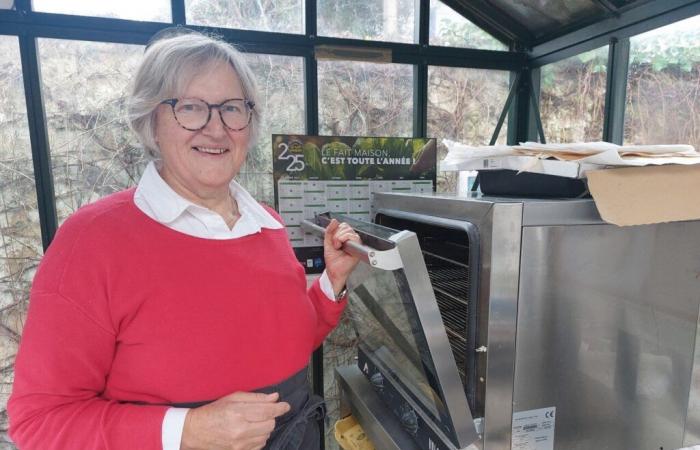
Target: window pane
column 365, row 99
column 450, row 29
column 383, row 20
column 93, row 152
column 545, row 17
column 7, row 4
column 572, row 97
column 20, row 233
column 281, row 87
column 464, row 106
column 148, row 10
column 663, row 93
column 284, row 16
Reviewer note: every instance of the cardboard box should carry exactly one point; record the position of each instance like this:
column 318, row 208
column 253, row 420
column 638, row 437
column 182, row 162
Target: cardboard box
column 646, row 195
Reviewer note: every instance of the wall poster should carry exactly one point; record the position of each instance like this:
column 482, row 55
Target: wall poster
column 315, row 174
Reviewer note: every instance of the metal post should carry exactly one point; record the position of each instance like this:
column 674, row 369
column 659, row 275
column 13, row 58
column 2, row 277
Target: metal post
column 616, row 90
column 312, row 128
column 420, row 72
column 178, row 12
column 39, row 138
column 535, row 103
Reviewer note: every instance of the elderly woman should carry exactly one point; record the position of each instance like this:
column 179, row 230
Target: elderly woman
column 175, row 315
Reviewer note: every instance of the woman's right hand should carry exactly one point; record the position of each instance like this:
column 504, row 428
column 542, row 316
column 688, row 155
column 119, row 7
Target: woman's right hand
column 239, row 421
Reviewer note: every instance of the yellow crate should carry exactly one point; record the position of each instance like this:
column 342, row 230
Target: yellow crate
column 351, row 436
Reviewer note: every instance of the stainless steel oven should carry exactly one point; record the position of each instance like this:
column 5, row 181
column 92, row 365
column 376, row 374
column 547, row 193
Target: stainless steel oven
column 523, row 324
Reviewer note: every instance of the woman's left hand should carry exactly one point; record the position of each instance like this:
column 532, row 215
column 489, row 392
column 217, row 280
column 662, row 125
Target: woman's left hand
column 338, row 263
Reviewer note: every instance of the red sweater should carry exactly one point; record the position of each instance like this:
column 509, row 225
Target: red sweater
column 125, row 309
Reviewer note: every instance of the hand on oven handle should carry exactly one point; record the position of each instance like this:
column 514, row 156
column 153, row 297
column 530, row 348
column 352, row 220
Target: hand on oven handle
column 381, row 259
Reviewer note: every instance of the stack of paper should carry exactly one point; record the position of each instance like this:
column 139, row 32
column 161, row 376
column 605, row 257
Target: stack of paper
column 570, row 160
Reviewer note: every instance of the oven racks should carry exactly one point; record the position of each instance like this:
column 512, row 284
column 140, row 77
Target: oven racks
column 450, row 281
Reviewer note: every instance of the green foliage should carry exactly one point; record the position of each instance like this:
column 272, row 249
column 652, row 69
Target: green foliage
column 673, row 50
column 331, row 170
column 312, row 159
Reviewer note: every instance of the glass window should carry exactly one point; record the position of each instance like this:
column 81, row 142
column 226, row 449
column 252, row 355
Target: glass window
column 450, row 29
column 149, row 10
column 365, row 99
column 280, row 82
column 380, row 20
column 20, row 233
column 93, row 152
column 663, row 93
column 543, row 17
column 7, row 4
column 284, row 16
column 572, row 97
column 464, row 106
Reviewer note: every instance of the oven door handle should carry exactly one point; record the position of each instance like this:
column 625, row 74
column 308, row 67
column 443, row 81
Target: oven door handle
column 381, row 259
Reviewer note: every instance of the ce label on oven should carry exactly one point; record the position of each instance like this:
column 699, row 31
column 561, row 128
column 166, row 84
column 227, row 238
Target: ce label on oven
column 533, row 429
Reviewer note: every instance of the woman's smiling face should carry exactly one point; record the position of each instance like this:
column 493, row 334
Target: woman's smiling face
column 201, row 164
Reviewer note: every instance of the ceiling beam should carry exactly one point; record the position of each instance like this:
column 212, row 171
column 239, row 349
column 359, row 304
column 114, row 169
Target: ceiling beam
column 608, row 6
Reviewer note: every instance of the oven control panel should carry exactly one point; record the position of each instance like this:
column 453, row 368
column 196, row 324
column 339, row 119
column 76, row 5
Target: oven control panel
column 412, row 421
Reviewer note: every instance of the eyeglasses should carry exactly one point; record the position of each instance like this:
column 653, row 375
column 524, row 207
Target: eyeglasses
column 193, row 114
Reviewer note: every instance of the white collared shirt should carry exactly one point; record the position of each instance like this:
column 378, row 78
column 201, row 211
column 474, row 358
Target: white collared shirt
column 161, row 203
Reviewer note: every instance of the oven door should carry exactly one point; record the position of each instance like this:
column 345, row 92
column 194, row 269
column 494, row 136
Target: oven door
column 403, row 348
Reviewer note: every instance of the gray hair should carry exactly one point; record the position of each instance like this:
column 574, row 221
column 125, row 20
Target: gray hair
column 168, row 66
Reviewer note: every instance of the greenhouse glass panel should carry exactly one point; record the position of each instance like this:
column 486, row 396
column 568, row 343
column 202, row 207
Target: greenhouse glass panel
column 542, row 17
column 663, row 93
column 365, row 99
column 284, row 16
column 146, row 10
column 572, row 97
column 450, row 29
column 281, row 100
column 20, row 232
column 93, row 152
column 464, row 106
column 380, row 20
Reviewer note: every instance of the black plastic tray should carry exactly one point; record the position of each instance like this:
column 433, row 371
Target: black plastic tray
column 508, row 183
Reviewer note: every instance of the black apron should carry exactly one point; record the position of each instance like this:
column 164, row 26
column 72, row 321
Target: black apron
column 298, row 429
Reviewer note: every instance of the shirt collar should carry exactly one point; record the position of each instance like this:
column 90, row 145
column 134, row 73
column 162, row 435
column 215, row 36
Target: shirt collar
column 167, row 205
column 249, row 207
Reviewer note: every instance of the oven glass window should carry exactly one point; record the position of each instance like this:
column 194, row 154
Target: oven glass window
column 392, row 334
column 401, row 331
column 390, row 330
